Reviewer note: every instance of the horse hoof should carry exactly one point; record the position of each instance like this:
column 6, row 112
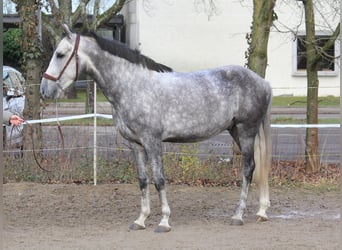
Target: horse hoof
column 236, row 222
column 261, row 218
column 136, row 227
column 162, row 229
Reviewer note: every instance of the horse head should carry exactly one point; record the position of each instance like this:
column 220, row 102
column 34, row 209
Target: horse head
column 64, row 66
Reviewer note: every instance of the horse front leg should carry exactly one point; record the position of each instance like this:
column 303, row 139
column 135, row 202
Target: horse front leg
column 164, row 226
column 141, row 162
column 248, row 168
column 155, row 154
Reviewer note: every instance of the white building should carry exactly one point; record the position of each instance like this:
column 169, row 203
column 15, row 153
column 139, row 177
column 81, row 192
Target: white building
column 187, row 35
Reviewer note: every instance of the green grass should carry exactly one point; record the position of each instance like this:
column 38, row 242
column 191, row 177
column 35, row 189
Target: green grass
column 300, row 101
column 82, row 96
column 291, row 120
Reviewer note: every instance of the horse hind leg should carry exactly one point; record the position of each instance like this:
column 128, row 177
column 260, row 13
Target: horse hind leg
column 246, row 146
column 256, row 160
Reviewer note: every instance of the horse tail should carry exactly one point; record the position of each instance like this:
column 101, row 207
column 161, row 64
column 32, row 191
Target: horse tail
column 262, row 159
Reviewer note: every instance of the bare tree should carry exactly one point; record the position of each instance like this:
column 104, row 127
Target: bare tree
column 263, row 17
column 314, row 54
column 62, row 13
column 32, row 65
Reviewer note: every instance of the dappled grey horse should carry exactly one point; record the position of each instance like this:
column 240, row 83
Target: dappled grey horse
column 152, row 104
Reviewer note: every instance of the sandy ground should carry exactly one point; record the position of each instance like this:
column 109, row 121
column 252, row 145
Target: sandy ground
column 70, row 216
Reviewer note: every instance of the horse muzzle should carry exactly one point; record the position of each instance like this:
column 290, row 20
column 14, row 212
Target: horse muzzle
column 49, row 89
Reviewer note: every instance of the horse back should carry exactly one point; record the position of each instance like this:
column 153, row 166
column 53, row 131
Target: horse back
column 200, row 104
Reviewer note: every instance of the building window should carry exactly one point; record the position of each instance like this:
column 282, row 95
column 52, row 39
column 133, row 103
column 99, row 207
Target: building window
column 327, row 66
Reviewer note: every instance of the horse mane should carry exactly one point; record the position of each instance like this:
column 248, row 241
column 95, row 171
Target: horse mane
column 122, row 50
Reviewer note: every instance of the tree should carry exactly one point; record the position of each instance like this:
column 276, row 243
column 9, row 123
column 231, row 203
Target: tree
column 311, row 148
column 263, row 17
column 313, row 55
column 62, row 12
column 256, row 54
column 31, row 51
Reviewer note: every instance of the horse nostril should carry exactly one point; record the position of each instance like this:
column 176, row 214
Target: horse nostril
column 42, row 90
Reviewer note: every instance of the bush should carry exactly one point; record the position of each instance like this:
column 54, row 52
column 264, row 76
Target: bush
column 12, row 47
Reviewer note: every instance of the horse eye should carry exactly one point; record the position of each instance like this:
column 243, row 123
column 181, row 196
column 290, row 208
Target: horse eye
column 60, row 55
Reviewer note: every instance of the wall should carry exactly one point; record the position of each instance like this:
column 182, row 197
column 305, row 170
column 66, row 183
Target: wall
column 181, row 34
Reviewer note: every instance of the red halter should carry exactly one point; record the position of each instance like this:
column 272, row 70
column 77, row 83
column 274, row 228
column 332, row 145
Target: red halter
column 74, row 53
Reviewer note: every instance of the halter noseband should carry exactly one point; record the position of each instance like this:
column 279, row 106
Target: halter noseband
column 74, row 53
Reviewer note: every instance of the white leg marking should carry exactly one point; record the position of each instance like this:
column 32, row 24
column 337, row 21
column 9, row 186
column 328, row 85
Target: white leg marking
column 145, row 207
column 264, row 201
column 240, row 211
column 242, row 206
column 165, row 209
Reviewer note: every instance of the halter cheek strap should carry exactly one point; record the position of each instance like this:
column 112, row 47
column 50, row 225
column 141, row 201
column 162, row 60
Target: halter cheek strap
column 74, row 53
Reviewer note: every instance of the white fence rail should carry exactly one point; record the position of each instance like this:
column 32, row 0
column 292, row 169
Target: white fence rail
column 106, row 116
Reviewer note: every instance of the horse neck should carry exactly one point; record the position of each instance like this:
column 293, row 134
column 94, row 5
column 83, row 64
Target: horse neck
column 113, row 75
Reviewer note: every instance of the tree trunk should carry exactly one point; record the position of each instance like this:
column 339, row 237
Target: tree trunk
column 263, row 16
column 90, row 97
column 311, row 147
column 32, row 69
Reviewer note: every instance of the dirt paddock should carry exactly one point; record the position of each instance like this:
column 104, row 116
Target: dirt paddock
column 70, row 216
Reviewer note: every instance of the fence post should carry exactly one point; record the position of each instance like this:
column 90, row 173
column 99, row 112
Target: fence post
column 90, row 97
column 95, row 127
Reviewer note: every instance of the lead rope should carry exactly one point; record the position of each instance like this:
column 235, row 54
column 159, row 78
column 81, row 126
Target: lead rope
column 59, row 126
column 34, row 151
column 61, row 136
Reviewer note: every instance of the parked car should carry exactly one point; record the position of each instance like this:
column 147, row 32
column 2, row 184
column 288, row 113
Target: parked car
column 14, row 101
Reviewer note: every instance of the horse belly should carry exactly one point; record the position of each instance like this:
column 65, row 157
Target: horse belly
column 194, row 130
column 186, row 138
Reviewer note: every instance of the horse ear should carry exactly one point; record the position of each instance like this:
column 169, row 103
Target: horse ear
column 67, row 31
